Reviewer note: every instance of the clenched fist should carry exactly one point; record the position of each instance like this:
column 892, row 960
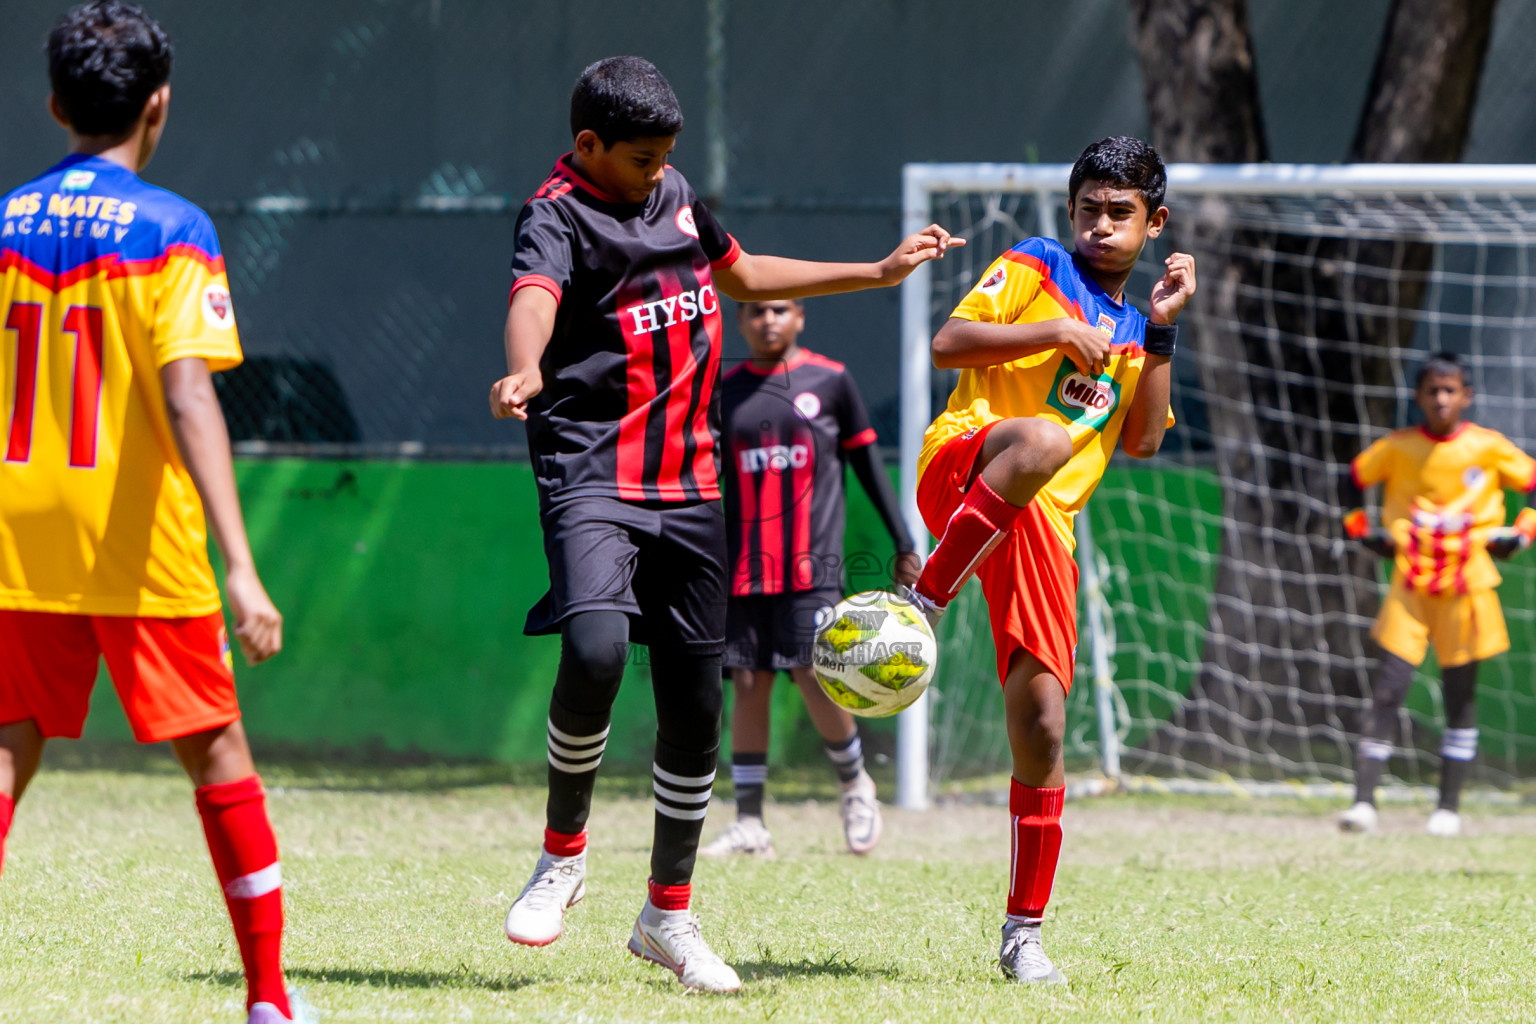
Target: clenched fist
column 511, row 394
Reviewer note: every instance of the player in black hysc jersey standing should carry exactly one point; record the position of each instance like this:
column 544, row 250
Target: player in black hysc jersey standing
column 793, row 421
column 613, row 354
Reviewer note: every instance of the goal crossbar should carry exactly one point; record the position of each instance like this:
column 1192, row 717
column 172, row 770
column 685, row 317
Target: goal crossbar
column 921, row 180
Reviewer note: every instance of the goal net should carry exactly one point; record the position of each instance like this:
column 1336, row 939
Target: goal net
column 1224, row 621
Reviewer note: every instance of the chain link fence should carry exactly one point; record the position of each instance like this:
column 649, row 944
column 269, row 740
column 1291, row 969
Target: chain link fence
column 365, row 159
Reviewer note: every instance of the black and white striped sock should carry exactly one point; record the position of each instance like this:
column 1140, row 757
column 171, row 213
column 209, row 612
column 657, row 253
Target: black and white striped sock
column 682, row 781
column 576, row 743
column 749, row 777
column 847, row 757
column 1370, row 762
column 1457, row 749
column 576, row 754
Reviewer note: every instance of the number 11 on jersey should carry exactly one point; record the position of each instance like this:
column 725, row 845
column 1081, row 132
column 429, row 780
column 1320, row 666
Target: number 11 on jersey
column 84, row 322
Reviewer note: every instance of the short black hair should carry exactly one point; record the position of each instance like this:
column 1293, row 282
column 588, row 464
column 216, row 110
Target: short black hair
column 1125, row 161
column 105, row 60
column 1441, row 364
column 623, row 99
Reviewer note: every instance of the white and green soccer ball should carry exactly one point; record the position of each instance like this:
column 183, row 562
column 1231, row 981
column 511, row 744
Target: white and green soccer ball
column 874, row 654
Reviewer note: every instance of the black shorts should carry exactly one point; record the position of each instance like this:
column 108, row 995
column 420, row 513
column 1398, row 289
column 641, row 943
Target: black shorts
column 663, row 565
column 775, row 631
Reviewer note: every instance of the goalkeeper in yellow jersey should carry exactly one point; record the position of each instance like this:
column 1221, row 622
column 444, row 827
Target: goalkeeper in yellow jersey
column 1442, row 515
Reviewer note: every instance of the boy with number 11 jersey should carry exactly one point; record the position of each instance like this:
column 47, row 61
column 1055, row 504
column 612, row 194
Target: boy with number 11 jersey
column 115, row 309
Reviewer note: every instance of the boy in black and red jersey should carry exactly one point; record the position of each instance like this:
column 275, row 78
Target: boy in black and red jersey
column 793, row 421
column 613, row 353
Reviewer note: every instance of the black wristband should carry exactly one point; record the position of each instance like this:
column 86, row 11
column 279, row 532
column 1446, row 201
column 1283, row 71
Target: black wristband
column 1161, row 339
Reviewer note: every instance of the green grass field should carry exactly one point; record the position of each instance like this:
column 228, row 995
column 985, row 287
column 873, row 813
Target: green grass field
column 397, row 880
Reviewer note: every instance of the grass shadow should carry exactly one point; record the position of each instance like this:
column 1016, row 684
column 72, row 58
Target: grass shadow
column 111, row 756
column 339, row 769
column 834, row 965
column 463, row 978
column 374, row 769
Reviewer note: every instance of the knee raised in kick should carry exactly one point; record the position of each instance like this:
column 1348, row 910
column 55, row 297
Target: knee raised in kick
column 1022, row 455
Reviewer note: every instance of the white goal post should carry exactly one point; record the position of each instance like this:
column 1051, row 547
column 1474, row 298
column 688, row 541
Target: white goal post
column 1484, row 186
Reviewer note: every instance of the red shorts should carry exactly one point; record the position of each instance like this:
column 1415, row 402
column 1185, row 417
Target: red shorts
column 173, row 676
column 1030, row 580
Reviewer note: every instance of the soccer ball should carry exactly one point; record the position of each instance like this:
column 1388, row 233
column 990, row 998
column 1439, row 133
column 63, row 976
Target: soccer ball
column 875, row 654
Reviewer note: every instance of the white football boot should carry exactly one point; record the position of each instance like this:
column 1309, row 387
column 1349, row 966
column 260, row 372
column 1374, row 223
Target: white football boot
column 1361, row 817
column 672, row 939
column 537, row 916
column 931, row 611
column 861, row 814
column 746, row 835
column 1444, row 823
column 266, row 1013
column 1023, row 958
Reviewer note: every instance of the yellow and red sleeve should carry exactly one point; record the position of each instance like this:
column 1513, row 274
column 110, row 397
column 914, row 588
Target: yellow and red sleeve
column 194, row 317
column 1517, row 470
column 1010, row 285
column 1373, row 465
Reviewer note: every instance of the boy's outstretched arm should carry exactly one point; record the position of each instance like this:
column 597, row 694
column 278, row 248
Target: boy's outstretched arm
column 197, row 423
column 530, row 325
column 1147, row 419
column 755, row 278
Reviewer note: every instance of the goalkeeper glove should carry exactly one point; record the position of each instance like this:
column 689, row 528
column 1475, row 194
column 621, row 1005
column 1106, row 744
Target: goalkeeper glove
column 1503, row 543
column 1379, row 542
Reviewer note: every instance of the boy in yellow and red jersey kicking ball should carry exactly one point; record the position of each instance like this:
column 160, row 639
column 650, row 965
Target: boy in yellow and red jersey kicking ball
column 114, row 308
column 1442, row 515
column 1055, row 369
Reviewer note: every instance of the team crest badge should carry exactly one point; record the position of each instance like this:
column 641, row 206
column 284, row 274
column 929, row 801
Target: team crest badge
column 224, row 653
column 1106, row 325
column 77, row 181
column 808, row 405
column 1474, row 478
column 994, row 281
column 685, row 222
column 217, row 310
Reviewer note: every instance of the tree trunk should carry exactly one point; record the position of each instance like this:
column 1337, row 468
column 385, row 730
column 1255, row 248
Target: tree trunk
column 1424, row 88
column 1202, row 86
column 1294, row 336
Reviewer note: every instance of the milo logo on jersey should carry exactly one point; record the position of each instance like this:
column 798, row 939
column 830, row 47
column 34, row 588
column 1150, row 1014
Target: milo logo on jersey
column 1083, row 399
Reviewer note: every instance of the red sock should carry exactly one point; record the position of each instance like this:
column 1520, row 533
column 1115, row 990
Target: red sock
column 245, row 858
column 978, row 525
column 1036, row 847
column 563, row 844
column 670, row 897
column 7, row 808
